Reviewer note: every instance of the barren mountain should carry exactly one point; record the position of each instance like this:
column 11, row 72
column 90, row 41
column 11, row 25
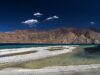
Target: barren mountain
column 63, row 35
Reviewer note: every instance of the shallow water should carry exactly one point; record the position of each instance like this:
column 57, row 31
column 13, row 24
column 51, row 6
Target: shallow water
column 10, row 46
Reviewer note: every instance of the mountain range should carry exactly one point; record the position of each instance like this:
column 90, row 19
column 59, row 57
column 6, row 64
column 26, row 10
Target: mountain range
column 59, row 36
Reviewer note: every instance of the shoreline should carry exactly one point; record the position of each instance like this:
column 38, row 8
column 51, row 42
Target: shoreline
column 56, row 70
column 41, row 53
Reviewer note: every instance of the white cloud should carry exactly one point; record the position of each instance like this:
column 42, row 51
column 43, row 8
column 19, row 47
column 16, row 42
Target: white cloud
column 53, row 17
column 34, row 22
column 30, row 22
column 92, row 22
column 37, row 14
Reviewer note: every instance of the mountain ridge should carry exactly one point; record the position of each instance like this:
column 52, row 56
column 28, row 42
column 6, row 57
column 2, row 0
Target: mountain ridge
column 60, row 36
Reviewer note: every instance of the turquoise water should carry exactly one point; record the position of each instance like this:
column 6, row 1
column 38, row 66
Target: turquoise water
column 92, row 72
column 10, row 46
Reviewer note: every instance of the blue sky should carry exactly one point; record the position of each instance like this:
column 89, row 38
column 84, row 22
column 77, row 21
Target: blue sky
column 71, row 13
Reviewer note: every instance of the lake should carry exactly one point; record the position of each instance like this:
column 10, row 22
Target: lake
column 14, row 46
column 10, row 46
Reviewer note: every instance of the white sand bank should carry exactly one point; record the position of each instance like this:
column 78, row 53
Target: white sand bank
column 41, row 53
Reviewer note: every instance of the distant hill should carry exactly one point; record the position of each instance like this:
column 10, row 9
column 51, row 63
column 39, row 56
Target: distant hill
column 62, row 35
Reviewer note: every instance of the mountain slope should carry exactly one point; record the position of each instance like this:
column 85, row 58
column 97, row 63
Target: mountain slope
column 63, row 35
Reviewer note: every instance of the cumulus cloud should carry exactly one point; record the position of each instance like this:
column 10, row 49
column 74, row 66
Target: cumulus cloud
column 37, row 14
column 53, row 17
column 30, row 22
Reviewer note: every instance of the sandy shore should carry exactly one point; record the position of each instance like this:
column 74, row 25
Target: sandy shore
column 56, row 70
column 41, row 53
